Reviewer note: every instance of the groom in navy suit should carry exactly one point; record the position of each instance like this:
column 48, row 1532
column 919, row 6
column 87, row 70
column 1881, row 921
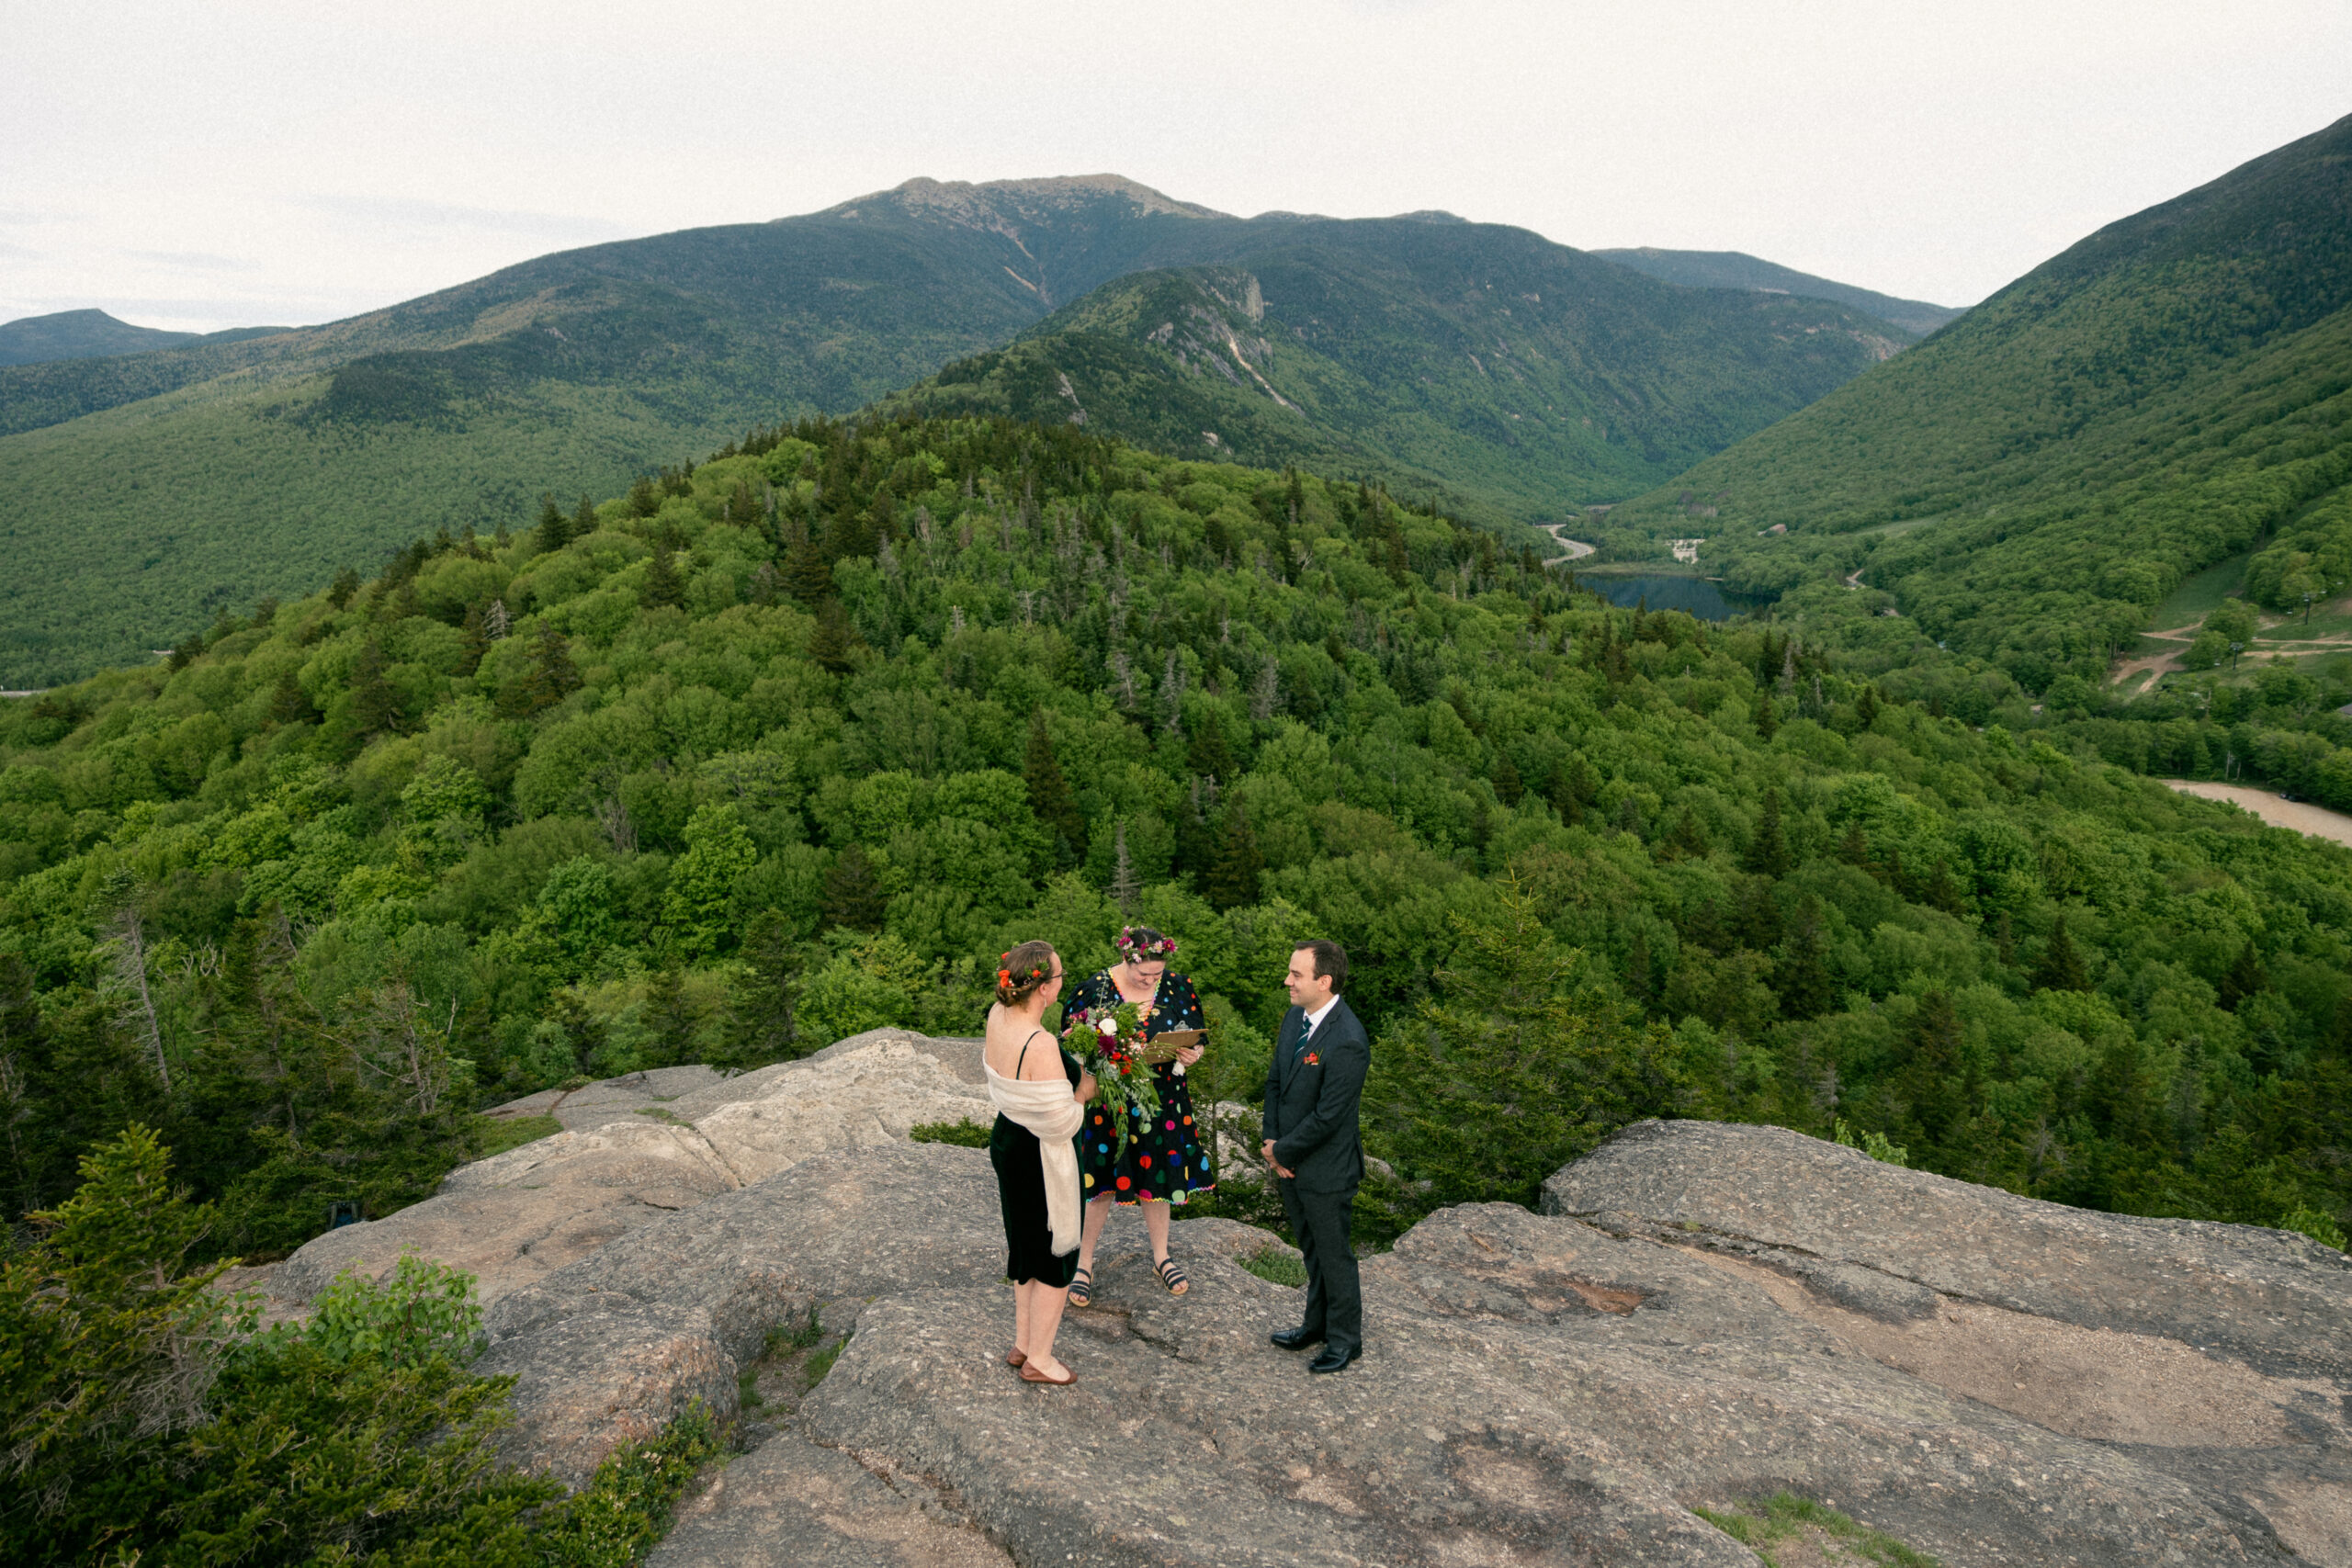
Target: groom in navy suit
column 1315, row 1149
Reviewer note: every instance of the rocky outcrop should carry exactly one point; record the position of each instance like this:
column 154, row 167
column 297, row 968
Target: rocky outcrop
column 639, row 1152
column 1703, row 1314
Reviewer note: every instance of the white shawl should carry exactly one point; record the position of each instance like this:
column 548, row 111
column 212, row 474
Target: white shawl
column 1046, row 1108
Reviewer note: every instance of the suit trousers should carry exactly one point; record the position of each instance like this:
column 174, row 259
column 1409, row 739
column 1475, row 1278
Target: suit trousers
column 1334, row 1294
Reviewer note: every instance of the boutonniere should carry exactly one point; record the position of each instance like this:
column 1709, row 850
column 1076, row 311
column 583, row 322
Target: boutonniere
column 1314, row 1058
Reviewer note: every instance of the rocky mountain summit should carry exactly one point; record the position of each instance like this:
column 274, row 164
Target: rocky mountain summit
column 1703, row 1314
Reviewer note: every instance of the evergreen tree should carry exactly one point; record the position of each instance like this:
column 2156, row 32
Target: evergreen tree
column 1767, row 722
column 552, row 677
column 1510, row 788
column 763, row 1027
column 2246, row 978
column 1689, row 840
column 375, row 701
column 1866, row 708
column 835, row 639
column 663, row 585
column 1233, row 880
column 554, row 531
column 288, row 703
column 2061, row 968
column 1767, row 851
column 1931, row 1081
column 584, row 519
column 1050, row 797
column 1209, row 754
column 852, row 893
column 808, row 575
column 1801, row 976
column 346, row 584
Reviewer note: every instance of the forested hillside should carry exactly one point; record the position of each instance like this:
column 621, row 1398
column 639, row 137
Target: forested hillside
column 2030, row 484
column 146, row 492
column 1485, row 363
column 94, row 334
column 794, row 743
column 1736, row 269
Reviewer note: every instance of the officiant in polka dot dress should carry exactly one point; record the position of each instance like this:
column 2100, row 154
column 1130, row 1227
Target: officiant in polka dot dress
column 1163, row 1163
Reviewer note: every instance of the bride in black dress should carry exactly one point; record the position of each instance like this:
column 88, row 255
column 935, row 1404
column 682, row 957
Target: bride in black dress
column 1163, row 1163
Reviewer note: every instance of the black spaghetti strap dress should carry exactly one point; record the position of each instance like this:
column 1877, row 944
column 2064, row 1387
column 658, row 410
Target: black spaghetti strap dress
column 1021, row 1193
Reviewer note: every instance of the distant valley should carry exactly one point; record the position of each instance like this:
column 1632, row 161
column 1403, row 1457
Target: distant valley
column 1476, row 365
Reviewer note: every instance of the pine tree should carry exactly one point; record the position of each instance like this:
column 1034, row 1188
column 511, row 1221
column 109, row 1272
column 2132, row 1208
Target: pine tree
column 852, row 893
column 1233, row 881
column 2246, row 978
column 668, row 1017
column 346, row 584
column 288, row 703
column 495, row 622
column 1050, row 797
column 1689, row 840
column 552, row 677
column 1209, row 754
column 1767, row 851
column 1932, row 1080
column 1866, row 708
column 1768, row 723
column 2061, row 968
column 662, row 584
column 1509, row 786
column 808, row 575
column 375, row 702
column 583, row 518
column 554, row 531
column 1800, row 976
column 835, row 639
column 764, row 1027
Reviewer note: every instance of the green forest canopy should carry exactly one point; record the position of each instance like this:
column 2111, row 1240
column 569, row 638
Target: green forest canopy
column 2032, row 482
column 786, row 746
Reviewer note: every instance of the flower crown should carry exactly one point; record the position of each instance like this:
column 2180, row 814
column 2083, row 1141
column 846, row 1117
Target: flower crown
column 1004, row 976
column 1140, row 951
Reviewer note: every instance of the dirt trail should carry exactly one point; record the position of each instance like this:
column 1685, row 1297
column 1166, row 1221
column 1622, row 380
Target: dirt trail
column 2313, row 821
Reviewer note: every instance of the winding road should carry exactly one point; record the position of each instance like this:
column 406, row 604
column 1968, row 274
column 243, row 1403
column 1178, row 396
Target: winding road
column 1578, row 549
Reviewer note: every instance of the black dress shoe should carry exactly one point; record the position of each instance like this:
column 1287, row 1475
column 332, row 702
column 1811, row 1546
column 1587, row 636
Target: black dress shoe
column 1295, row 1338
column 1334, row 1359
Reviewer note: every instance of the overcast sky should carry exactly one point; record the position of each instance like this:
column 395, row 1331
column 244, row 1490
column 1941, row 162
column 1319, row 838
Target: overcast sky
column 232, row 162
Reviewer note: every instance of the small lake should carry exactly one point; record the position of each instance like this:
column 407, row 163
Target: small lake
column 1691, row 595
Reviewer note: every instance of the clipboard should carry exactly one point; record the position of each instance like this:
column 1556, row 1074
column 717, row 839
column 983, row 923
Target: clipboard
column 1163, row 1047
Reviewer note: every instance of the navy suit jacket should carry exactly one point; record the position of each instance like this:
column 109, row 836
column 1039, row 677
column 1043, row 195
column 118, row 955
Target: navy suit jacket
column 1311, row 1107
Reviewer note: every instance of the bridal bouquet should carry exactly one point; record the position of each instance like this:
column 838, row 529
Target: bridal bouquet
column 1110, row 1041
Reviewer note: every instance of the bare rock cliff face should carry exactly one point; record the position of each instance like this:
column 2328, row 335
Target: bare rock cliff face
column 1704, row 1315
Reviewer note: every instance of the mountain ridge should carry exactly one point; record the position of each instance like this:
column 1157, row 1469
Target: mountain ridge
column 1737, row 269
column 2031, row 482
column 592, row 365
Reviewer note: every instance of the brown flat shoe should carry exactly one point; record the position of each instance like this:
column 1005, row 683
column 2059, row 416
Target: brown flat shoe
column 1015, row 1355
column 1031, row 1374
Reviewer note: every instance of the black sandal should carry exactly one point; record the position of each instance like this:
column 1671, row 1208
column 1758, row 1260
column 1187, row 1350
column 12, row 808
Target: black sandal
column 1171, row 1277
column 1082, row 1289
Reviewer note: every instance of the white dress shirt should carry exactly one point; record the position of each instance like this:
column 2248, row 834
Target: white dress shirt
column 1315, row 1020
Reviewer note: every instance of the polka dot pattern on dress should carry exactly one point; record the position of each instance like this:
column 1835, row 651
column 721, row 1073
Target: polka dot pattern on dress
column 1162, row 1164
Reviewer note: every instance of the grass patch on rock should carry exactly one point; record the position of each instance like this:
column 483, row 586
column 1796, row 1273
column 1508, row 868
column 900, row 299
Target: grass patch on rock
column 1790, row 1531
column 496, row 1134
column 967, row 1134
